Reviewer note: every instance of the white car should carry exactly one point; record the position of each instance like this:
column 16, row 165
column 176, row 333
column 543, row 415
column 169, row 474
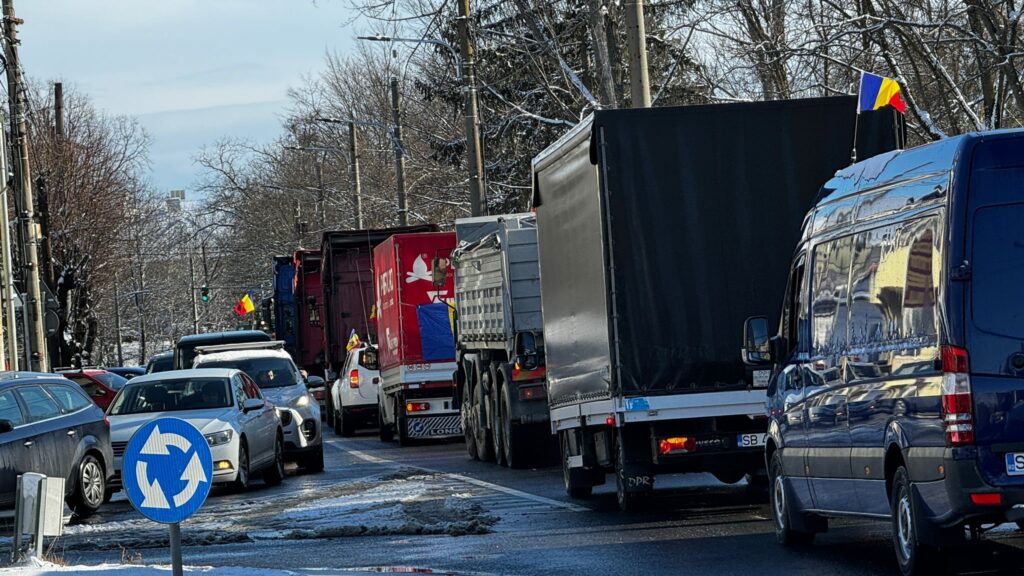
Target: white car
column 280, row 381
column 354, row 393
column 241, row 427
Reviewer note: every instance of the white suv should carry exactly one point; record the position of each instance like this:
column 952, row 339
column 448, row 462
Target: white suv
column 354, row 393
column 280, row 382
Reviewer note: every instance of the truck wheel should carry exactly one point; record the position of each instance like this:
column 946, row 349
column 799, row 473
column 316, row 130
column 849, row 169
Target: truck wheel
column 498, row 430
column 577, row 480
column 481, row 436
column 467, row 430
column 628, row 501
column 402, row 424
column 511, row 436
column 383, row 428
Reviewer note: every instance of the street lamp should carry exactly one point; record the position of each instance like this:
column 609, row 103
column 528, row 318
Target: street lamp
column 467, row 77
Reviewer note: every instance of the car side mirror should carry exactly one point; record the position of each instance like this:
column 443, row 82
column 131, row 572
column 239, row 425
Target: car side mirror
column 251, row 404
column 439, row 272
column 314, row 382
column 6, row 426
column 756, row 350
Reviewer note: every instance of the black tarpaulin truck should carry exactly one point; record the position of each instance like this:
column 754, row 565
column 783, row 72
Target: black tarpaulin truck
column 660, row 230
column 500, row 339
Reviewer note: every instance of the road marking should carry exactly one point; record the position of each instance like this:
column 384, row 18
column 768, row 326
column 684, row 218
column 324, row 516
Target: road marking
column 468, row 480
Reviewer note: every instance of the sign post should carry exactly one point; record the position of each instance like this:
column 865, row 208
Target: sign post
column 167, row 471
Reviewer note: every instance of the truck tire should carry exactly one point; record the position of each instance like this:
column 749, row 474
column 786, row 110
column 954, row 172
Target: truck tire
column 481, row 436
column 513, row 437
column 401, row 423
column 628, row 501
column 577, row 480
column 467, row 430
column 497, row 430
column 387, row 434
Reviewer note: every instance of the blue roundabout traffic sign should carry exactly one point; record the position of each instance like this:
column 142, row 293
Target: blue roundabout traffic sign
column 167, row 470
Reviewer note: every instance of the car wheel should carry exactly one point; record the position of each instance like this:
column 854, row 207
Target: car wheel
column 275, row 474
column 90, row 487
column 242, row 479
column 387, row 434
column 913, row 557
column 345, row 424
column 778, row 498
column 314, row 462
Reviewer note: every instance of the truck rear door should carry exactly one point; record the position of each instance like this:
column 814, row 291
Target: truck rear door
column 995, row 311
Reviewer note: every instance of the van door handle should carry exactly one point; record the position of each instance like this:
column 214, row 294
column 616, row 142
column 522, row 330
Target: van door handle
column 71, row 432
column 28, row 443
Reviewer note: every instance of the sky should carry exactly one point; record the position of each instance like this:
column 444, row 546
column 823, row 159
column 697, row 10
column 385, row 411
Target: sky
column 191, row 71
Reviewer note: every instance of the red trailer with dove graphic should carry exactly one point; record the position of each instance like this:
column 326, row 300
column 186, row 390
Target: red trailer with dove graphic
column 414, row 285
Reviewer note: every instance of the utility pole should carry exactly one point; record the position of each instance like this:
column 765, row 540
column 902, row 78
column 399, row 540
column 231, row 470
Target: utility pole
column 474, row 150
column 7, row 290
column 636, row 38
column 403, row 208
column 39, row 359
column 192, row 285
column 353, row 151
column 117, row 321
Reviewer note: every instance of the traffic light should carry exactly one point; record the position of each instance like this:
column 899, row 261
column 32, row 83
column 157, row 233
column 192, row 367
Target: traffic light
column 204, row 292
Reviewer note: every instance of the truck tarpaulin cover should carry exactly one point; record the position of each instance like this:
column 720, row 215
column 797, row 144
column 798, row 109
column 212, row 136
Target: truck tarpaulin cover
column 698, row 213
column 435, row 332
column 403, row 264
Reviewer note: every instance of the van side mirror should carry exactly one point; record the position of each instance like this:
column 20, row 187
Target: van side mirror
column 439, row 271
column 756, row 350
column 6, row 426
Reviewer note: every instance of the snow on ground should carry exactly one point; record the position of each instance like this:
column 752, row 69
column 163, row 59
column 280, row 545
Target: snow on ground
column 407, row 502
column 35, row 567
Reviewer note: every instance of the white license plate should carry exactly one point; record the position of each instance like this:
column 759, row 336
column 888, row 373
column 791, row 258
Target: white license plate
column 753, row 441
column 1015, row 464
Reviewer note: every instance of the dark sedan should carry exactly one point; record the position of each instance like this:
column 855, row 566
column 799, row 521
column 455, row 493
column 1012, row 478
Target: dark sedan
column 50, row 426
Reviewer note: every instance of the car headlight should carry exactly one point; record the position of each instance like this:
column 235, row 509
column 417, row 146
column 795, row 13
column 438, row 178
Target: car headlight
column 302, row 400
column 218, row 438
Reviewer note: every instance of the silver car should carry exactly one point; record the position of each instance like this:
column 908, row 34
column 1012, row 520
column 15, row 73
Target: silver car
column 281, row 382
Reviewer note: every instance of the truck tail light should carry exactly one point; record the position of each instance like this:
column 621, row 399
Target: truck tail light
column 521, row 374
column 417, row 407
column 957, row 410
column 677, row 445
column 532, row 392
column 353, row 379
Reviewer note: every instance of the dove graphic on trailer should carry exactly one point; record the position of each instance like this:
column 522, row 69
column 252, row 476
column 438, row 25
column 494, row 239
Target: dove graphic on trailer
column 417, row 351
column 167, row 470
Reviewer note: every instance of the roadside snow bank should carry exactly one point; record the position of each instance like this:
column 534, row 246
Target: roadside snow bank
column 36, row 567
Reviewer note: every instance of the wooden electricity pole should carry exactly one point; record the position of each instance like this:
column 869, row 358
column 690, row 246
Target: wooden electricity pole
column 30, row 229
column 403, row 207
column 353, row 151
column 636, row 38
column 474, row 153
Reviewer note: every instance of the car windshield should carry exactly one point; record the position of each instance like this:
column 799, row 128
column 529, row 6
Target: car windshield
column 111, row 380
column 172, row 395
column 268, row 372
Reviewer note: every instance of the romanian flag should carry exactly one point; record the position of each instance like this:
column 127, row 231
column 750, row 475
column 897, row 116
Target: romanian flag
column 353, row 341
column 244, row 306
column 879, row 91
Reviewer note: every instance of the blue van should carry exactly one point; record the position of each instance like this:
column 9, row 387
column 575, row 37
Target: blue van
column 896, row 387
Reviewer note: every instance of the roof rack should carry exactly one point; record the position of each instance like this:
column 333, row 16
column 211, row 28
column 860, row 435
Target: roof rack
column 271, row 345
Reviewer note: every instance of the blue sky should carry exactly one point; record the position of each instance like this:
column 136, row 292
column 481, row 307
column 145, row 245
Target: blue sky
column 191, row 71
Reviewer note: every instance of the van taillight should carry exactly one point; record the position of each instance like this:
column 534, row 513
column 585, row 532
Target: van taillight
column 353, row 379
column 957, row 411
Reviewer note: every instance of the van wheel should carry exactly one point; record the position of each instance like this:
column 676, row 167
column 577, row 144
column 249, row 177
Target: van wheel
column 576, row 485
column 913, row 557
column 778, row 498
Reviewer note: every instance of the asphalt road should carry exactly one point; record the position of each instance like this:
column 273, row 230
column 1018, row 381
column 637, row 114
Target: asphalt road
column 692, row 525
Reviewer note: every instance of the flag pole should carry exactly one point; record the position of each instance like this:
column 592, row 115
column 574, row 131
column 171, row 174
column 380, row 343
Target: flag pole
column 856, row 121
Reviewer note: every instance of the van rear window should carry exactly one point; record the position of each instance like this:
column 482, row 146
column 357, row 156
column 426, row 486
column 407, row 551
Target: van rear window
column 997, row 278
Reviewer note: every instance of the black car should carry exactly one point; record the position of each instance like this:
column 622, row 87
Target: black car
column 185, row 351
column 50, row 426
column 128, row 372
column 160, row 362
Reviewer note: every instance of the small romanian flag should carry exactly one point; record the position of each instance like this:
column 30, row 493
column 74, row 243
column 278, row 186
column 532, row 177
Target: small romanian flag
column 877, row 92
column 353, row 341
column 244, row 306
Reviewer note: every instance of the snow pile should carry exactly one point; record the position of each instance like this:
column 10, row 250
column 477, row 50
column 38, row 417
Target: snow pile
column 409, row 502
column 36, row 567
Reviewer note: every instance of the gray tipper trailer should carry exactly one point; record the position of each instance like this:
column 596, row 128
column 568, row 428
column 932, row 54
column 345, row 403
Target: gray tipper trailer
column 499, row 339
column 658, row 229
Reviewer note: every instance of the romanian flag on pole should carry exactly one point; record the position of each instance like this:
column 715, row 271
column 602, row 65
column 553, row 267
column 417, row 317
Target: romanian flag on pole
column 877, row 92
column 244, row 306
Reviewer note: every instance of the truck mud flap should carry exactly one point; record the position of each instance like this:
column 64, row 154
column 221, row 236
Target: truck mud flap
column 434, row 426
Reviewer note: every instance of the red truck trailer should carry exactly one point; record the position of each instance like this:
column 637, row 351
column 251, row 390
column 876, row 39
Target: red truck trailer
column 309, row 353
column 414, row 328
